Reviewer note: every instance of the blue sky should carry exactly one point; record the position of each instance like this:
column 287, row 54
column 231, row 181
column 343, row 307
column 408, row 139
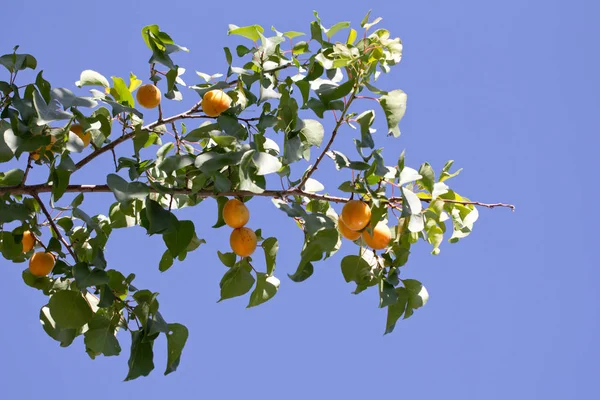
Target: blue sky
column 507, row 89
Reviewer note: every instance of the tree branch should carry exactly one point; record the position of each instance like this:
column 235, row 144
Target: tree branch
column 33, row 190
column 328, row 145
column 60, row 237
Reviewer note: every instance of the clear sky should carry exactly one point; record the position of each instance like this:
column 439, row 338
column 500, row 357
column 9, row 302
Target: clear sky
column 508, row 89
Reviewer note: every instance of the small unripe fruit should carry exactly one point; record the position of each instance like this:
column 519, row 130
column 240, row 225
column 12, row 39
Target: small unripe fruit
column 235, row 213
column 356, row 214
column 243, row 241
column 380, row 238
column 148, row 96
column 85, row 137
column 41, row 263
column 214, row 102
column 28, row 241
column 347, row 232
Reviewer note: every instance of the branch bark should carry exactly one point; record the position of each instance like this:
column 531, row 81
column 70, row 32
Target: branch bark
column 34, row 190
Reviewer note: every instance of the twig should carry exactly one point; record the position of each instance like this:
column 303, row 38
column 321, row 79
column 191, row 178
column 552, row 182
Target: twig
column 33, row 190
column 328, row 145
column 60, row 237
column 29, row 166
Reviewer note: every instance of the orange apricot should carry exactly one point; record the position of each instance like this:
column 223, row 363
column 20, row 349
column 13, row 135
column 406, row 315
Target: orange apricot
column 347, row 232
column 85, row 137
column 235, row 213
column 356, row 214
column 28, row 241
column 148, row 96
column 380, row 238
column 214, row 102
column 41, row 263
column 243, row 241
column 36, row 154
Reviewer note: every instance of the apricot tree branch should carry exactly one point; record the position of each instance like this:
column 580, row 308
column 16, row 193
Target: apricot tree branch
column 33, row 190
column 336, row 128
column 60, row 237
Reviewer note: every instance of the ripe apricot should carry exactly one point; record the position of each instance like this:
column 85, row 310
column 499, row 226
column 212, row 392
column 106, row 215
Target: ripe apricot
column 235, row 213
column 214, row 102
column 28, row 241
column 356, row 214
column 36, row 154
column 85, row 137
column 347, row 232
column 148, row 96
column 380, row 238
column 41, row 263
column 243, row 241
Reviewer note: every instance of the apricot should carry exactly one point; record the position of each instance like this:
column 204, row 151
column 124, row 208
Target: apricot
column 85, row 137
column 356, row 214
column 380, row 238
column 214, row 102
column 28, row 241
column 347, row 232
column 243, row 241
column 41, row 263
column 235, row 213
column 148, row 96
column 36, row 154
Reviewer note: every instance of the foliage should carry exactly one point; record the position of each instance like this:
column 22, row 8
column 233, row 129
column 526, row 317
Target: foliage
column 281, row 85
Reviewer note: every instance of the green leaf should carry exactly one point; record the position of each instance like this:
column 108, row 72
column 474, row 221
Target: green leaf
column 228, row 259
column 121, row 92
column 266, row 288
column 311, row 131
column 166, row 261
column 394, row 107
column 11, row 178
column 351, row 36
column 86, row 277
column 221, row 201
column 351, row 265
column 304, row 271
column 270, row 246
column 64, row 336
column 176, row 339
column 48, row 112
column 427, row 177
column 92, row 78
column 100, row 338
column 300, row 48
column 409, row 175
column 329, row 90
column 141, row 359
column 417, row 294
column 336, row 28
column 313, row 186
column 159, row 219
column 265, row 163
column 174, row 163
column 18, row 62
column 365, row 20
column 396, row 310
column 125, row 191
column 411, row 203
column 69, row 309
column 237, row 281
column 366, row 120
column 292, row 34
column 387, row 294
column 445, row 174
column 252, row 32
column 179, row 237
